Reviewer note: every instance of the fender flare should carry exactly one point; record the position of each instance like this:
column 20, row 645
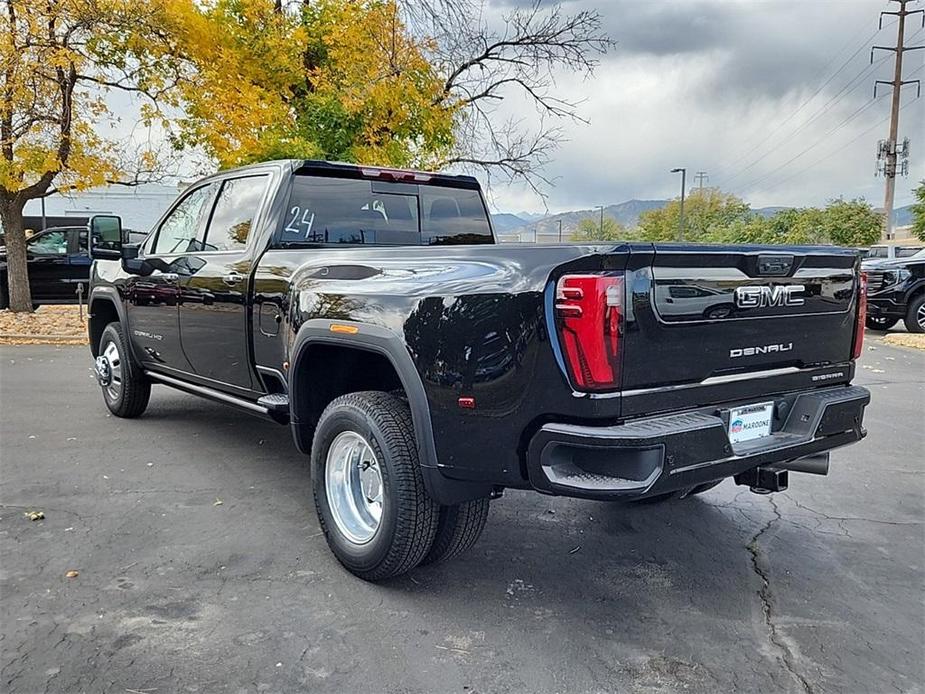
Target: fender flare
column 915, row 289
column 370, row 338
column 386, row 343
column 110, row 295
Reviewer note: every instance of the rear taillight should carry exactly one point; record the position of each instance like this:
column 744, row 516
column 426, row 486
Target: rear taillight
column 589, row 313
column 862, row 316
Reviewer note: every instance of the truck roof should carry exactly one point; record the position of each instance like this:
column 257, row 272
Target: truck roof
column 339, row 169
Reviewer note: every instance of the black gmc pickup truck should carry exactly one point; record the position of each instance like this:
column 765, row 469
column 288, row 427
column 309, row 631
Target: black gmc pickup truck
column 426, row 369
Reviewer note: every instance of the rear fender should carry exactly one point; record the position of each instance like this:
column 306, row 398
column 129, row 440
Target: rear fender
column 386, row 343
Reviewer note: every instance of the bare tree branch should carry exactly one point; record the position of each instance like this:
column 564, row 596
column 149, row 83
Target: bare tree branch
column 486, row 62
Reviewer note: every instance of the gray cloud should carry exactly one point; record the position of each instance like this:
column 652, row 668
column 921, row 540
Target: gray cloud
column 700, row 83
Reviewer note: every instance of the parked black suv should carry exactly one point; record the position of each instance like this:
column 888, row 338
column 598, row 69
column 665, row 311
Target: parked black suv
column 425, row 369
column 896, row 290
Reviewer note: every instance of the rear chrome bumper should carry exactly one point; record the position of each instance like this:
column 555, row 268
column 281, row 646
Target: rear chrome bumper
column 662, row 454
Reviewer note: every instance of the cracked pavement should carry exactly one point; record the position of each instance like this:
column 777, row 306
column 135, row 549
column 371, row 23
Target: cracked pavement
column 819, row 589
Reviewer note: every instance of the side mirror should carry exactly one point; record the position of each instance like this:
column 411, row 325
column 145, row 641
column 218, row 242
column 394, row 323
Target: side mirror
column 105, row 235
column 131, row 263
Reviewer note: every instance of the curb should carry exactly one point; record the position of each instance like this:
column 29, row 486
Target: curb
column 47, row 338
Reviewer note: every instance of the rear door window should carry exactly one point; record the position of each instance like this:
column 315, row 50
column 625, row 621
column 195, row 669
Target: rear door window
column 236, row 207
column 361, row 212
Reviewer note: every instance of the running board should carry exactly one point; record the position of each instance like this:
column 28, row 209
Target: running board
column 258, row 407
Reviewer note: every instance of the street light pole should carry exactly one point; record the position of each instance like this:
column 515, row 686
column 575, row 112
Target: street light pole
column 683, row 173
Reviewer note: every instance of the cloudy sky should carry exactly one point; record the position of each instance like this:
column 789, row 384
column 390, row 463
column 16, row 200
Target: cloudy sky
column 773, row 99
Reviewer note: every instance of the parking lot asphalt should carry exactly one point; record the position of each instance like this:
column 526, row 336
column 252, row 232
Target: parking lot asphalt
column 201, row 566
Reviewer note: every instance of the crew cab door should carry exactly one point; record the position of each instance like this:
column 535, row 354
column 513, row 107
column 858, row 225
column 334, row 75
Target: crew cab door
column 152, row 300
column 214, row 290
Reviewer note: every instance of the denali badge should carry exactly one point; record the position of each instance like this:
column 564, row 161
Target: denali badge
column 759, row 349
column 759, row 297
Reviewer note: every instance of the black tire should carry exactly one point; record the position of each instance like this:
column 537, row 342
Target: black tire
column 883, row 324
column 459, row 528
column 408, row 521
column 683, row 494
column 130, row 398
column 915, row 315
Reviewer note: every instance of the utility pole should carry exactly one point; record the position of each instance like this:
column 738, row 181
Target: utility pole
column 887, row 151
column 602, row 220
column 683, row 173
column 700, row 176
column 560, row 230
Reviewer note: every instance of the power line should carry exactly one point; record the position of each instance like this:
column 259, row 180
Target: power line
column 803, row 105
column 797, row 173
column 851, row 86
column 833, row 152
column 808, row 149
column 828, row 81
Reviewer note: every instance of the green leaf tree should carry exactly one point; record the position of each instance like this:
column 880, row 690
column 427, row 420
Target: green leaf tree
column 708, row 217
column 590, row 229
column 851, row 223
column 918, row 212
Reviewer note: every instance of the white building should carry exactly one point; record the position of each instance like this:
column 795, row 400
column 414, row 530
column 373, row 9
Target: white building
column 138, row 206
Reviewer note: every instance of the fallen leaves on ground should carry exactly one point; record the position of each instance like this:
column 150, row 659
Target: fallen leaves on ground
column 60, row 325
column 35, row 515
column 914, row 340
column 72, row 574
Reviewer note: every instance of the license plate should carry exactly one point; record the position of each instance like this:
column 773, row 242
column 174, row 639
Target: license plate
column 750, row 422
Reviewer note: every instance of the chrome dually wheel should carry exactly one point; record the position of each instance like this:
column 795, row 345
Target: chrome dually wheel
column 368, row 487
column 354, row 487
column 109, row 370
column 125, row 388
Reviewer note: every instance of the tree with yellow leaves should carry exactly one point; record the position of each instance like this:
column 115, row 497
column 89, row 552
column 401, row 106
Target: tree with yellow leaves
column 329, row 79
column 411, row 83
column 58, row 58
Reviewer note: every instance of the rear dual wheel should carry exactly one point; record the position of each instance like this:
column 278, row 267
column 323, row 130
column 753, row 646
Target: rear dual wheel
column 369, row 493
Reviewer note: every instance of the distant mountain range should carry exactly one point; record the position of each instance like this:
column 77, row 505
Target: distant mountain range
column 627, row 213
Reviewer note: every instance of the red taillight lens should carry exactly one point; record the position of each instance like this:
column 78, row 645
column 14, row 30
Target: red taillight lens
column 589, row 313
column 862, row 316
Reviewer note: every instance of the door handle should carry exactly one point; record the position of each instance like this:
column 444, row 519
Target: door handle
column 170, row 276
column 233, row 279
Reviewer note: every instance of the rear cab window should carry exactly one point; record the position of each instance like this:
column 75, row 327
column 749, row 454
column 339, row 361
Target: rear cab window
column 344, row 211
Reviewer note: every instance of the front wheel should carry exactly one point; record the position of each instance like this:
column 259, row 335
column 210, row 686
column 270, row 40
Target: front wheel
column 878, row 323
column 369, row 493
column 915, row 316
column 125, row 389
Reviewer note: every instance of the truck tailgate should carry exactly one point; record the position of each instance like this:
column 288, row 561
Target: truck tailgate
column 698, row 314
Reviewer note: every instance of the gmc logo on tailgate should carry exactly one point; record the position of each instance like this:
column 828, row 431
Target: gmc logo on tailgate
column 759, row 297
